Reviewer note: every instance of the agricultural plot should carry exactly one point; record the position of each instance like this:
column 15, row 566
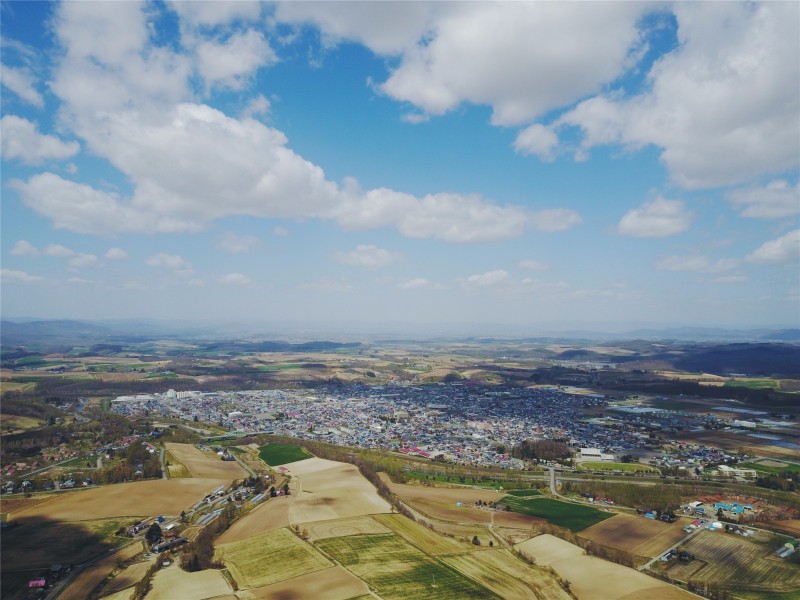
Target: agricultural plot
column 398, row 570
column 128, row 577
column 282, row 454
column 37, row 543
column 334, row 583
column 342, row 527
column 91, row 577
column 507, row 576
column 202, row 466
column 574, row 517
column 524, row 493
column 442, row 502
column 326, row 489
column 740, row 564
column 422, row 537
column 199, row 585
column 135, row 499
column 269, row 558
column 635, row 534
column 614, row 466
column 596, row 579
column 270, row 515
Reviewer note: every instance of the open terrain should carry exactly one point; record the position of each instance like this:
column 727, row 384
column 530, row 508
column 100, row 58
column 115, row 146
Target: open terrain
column 423, row 538
column 135, row 499
column 203, row 466
column 93, row 575
column 333, row 583
column 171, row 583
column 341, row 527
column 325, row 489
column 592, row 578
column 635, row 534
column 270, row 557
column 281, row 454
column 269, row 515
column 564, row 514
column 129, row 576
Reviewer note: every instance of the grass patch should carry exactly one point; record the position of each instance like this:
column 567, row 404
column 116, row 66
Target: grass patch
column 281, row 454
column 398, row 570
column 270, row 557
column 753, row 384
column 423, row 538
column 791, row 467
column 574, row 517
column 461, row 479
column 524, row 493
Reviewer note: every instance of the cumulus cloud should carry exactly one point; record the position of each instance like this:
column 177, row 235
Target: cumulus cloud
column 82, row 261
column 170, row 261
column 235, row 243
column 488, row 279
column 235, row 279
column 368, row 256
column 213, row 14
column 696, row 264
column 537, row 140
column 24, row 248
column 58, row 250
column 531, row 264
column 722, row 106
column 326, row 286
column 418, row 283
column 232, row 62
column 776, row 200
column 22, row 82
column 22, row 141
column 11, row 276
column 116, row 254
column 659, row 218
column 783, row 250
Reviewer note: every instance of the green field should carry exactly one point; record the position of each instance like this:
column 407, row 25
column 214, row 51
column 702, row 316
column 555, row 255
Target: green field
column 524, row 493
column 396, row 569
column 574, row 517
column 616, row 466
column 281, row 454
column 754, row 384
column 485, row 482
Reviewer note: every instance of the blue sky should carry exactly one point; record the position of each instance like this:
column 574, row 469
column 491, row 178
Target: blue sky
column 531, row 165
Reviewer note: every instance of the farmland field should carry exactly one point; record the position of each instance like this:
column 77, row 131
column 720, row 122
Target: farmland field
column 282, row 454
column 574, row 517
column 396, row 569
column 128, row 577
column 422, row 537
column 333, row 583
column 135, row 499
column 270, row 515
column 93, row 575
column 592, row 578
column 615, row 466
column 201, row 584
column 524, row 493
column 341, row 527
column 635, row 534
column 326, row 489
column 269, row 558
column 740, row 564
column 506, row 575
column 772, row 466
column 202, row 466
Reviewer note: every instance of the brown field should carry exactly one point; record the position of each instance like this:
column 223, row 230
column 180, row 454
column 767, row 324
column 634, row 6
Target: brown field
column 203, row 466
column 740, row 564
column 197, row 586
column 341, row 527
column 139, row 498
column 635, row 534
column 507, row 576
column 129, row 576
column 593, row 578
column 92, row 576
column 334, row 583
column 325, row 489
column 270, row 515
column 126, row 594
column 13, row 505
column 440, row 503
column 790, row 525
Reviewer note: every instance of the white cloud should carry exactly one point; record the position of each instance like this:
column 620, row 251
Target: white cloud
column 554, row 219
column 78, row 281
column 531, row 264
column 280, row 231
column 730, row 279
column 83, row 261
column 538, row 140
column 522, row 58
column 24, row 248
column 58, row 250
column 723, row 107
column 236, row 244
column 235, row 279
column 418, row 283
column 368, row 256
column 257, row 106
column 21, row 81
column 212, row 14
column 170, row 261
column 783, row 250
column 776, row 200
column 659, row 218
column 488, row 279
column 326, row 285
column 116, row 254
column 22, row 141
column 11, row 276
column 696, row 264
column 231, row 63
